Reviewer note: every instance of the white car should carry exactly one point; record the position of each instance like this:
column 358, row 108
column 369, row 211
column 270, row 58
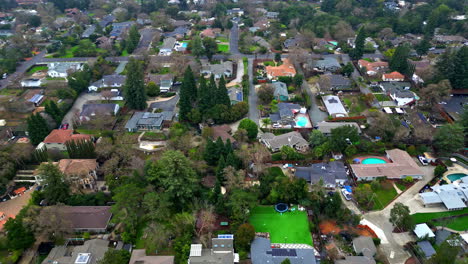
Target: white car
column 277, row 126
column 346, row 194
column 423, row 160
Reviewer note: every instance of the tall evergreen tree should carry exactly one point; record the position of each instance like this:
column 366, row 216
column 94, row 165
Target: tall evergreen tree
column 445, row 65
column 222, row 96
column 188, row 95
column 459, row 79
column 399, row 61
column 52, row 109
column 83, row 149
column 133, row 39
column 358, row 50
column 204, row 97
column 212, row 88
column 134, row 86
column 210, row 153
column 37, row 128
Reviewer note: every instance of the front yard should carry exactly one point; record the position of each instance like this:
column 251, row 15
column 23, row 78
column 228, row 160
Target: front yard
column 458, row 223
column 223, row 48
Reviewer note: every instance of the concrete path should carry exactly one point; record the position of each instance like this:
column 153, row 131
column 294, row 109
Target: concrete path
column 396, row 188
column 239, row 74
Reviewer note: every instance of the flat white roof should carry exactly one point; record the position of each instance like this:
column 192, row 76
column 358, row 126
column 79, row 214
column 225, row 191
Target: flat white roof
column 195, row 250
column 388, row 110
column 399, row 110
column 421, row 230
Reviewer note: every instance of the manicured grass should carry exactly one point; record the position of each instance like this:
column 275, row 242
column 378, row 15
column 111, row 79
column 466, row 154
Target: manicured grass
column 96, row 133
column 383, row 197
column 153, row 136
column 16, row 92
column 290, row 227
column 382, row 97
column 124, row 53
column 425, row 217
column 400, row 186
column 223, row 47
column 246, row 65
column 459, row 223
column 37, row 68
column 222, row 39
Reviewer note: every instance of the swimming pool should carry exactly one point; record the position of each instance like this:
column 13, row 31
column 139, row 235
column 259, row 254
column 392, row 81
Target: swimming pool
column 373, row 161
column 455, row 176
column 301, row 121
column 184, row 44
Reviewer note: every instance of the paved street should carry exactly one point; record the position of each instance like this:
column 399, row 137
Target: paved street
column 147, row 35
column 13, row 206
column 253, row 100
column 234, row 40
column 21, row 69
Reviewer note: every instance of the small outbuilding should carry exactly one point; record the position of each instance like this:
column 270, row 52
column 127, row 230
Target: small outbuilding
column 423, row 230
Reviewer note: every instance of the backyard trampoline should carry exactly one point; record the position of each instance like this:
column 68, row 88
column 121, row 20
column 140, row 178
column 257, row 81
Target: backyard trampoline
column 281, row 207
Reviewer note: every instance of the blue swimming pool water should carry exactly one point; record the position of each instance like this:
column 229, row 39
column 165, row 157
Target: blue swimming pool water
column 184, row 44
column 373, row 161
column 455, row 176
column 301, row 121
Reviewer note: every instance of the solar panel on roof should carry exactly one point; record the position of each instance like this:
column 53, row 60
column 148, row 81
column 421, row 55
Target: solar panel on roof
column 226, row 236
column 283, row 252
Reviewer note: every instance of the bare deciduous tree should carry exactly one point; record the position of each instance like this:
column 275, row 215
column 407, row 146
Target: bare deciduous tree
column 234, row 179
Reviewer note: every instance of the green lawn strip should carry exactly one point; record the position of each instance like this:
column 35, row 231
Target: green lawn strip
column 96, row 133
column 289, row 227
column 383, row 197
column 458, row 223
column 11, row 91
column 425, row 217
column 153, row 136
column 400, row 186
column 124, row 53
column 382, row 97
column 222, row 39
column 246, row 65
column 223, row 47
column 37, row 68
column 140, row 241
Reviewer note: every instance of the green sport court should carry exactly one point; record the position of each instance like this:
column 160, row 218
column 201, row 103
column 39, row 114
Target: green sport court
column 289, row 227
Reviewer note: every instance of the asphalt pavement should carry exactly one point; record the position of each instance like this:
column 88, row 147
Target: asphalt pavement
column 253, row 99
column 234, row 39
column 21, row 69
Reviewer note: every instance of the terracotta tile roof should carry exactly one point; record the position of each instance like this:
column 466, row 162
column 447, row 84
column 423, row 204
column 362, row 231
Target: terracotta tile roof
column 19, row 190
column 210, row 32
column 393, row 75
column 62, row 136
column 77, row 166
column 373, row 66
column 285, row 69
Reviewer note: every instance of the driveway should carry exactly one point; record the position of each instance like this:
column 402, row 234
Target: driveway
column 315, row 114
column 168, row 105
column 253, row 99
column 78, row 106
column 147, row 35
column 13, row 206
column 239, row 74
column 234, row 39
column 21, row 69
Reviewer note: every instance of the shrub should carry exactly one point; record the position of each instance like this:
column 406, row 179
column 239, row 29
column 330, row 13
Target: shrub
column 376, row 241
column 439, row 170
column 412, row 150
column 408, row 179
column 86, row 235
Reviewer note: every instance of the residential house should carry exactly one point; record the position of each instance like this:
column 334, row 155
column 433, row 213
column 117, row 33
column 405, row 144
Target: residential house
column 28, row 2
column 91, row 252
column 293, row 139
column 291, row 43
column 139, row 257
column 71, row 12
column 235, row 95
column 6, row 33
column 146, row 121
column 235, row 12
column 222, row 69
column 61, row 69
column 364, row 245
column 180, row 23
column 118, row 29
column 286, row 113
column 334, row 106
column 328, row 44
column 167, row 46
column 426, row 248
column 210, row 33
column 326, row 127
column 356, row 260
column 223, row 132
column 337, row 82
column 453, row 196
column 165, row 81
column 281, row 91
column 272, row 15
column 108, row 81
column 286, row 69
column 399, row 166
column 222, row 251
column 262, row 24
column 111, row 95
column 105, row 21
column 328, row 63
column 58, row 137
column 372, row 68
column 399, row 92
column 423, row 231
column 393, row 77
column 88, row 31
column 262, row 251
column 94, row 219
column 179, row 33
column 91, row 111
column 332, row 173
column 449, row 39
column 81, row 172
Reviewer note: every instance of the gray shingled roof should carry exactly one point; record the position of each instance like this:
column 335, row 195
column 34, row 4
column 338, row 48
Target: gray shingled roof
column 326, row 127
column 426, row 248
column 280, row 89
column 364, row 245
column 147, row 118
column 261, row 253
column 329, row 172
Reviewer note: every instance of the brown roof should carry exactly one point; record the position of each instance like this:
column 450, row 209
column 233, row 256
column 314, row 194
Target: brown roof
column 393, row 75
column 372, row 66
column 285, row 69
column 402, row 165
column 223, row 132
column 157, row 78
column 62, row 136
column 210, row 32
column 139, row 257
column 87, row 217
column 77, row 166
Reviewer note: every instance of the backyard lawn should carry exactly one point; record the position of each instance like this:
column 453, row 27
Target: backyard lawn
column 383, row 197
column 355, row 105
column 382, row 97
column 37, row 68
column 460, row 223
column 222, row 39
column 223, row 47
column 289, row 227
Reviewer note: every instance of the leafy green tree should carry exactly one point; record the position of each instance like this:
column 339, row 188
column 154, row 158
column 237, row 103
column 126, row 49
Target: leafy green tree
column 83, row 149
column 127, row 208
column 439, row 170
column 350, row 151
column 423, row 46
column 244, row 236
column 298, row 79
column 358, row 50
column 52, row 109
column 363, row 194
column 445, row 65
column 347, row 70
column 251, row 128
column 287, row 261
column 240, row 203
column 86, row 48
column 399, row 61
column 115, row 257
column 196, row 46
column 277, row 57
column 79, row 80
column 175, row 175
column 211, row 47
column 133, row 39
column 449, row 139
column 152, row 89
column 188, row 95
column 445, row 254
column 57, row 189
column 464, row 120
column 134, row 90
column 400, row 217
column 37, row 128
column 18, row 235
column 341, row 136
column 316, row 138
column 328, row 5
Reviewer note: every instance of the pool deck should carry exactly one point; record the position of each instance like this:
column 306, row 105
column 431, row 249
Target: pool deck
column 306, row 116
column 455, row 169
column 361, row 158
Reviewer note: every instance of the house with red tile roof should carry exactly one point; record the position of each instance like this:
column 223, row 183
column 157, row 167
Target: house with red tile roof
column 393, row 77
column 210, row 33
column 19, row 191
column 286, row 69
column 4, row 218
column 58, row 137
column 372, row 68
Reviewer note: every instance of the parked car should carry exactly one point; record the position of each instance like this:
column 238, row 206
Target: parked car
column 65, row 126
column 346, row 194
column 423, row 160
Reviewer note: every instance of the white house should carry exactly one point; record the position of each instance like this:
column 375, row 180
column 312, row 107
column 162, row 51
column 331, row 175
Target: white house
column 31, row 83
column 61, row 69
column 108, row 81
column 334, row 106
column 167, row 46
